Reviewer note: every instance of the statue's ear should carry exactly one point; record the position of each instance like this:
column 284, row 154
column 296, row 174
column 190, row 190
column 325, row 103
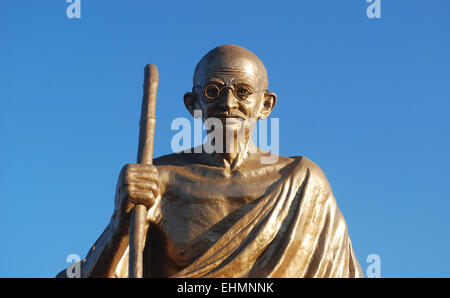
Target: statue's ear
column 191, row 102
column 268, row 104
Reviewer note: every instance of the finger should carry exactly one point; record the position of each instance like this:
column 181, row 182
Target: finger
column 148, row 186
column 132, row 176
column 143, row 169
column 139, row 197
column 138, row 168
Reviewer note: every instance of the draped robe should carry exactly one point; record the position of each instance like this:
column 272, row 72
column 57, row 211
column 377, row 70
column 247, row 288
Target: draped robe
column 256, row 226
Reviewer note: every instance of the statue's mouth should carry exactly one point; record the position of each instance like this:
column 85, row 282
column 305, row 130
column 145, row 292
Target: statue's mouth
column 231, row 116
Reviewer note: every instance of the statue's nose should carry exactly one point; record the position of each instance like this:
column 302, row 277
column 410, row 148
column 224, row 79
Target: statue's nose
column 228, row 100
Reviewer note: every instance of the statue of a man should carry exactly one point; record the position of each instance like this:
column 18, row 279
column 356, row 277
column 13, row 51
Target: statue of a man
column 230, row 212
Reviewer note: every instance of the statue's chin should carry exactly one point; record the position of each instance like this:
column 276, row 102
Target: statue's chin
column 233, row 122
column 233, row 131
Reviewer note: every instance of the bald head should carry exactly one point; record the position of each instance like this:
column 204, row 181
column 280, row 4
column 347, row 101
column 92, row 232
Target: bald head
column 231, row 61
column 230, row 81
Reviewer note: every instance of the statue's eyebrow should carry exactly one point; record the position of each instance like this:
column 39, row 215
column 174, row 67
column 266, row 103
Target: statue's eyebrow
column 241, row 81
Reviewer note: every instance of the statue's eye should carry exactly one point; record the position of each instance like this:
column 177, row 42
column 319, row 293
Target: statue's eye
column 242, row 92
column 212, row 91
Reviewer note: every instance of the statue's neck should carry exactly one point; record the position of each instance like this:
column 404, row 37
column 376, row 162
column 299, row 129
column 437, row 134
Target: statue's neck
column 231, row 159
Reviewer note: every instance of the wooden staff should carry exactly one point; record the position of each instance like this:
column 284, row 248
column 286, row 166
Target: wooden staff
column 145, row 156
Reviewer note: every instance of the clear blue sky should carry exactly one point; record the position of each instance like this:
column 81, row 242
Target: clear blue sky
column 368, row 100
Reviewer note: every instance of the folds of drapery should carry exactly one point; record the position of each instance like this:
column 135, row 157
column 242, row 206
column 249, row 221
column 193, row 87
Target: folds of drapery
column 294, row 230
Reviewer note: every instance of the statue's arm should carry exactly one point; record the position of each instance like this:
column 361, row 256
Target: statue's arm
column 137, row 184
column 103, row 257
column 337, row 228
column 107, row 251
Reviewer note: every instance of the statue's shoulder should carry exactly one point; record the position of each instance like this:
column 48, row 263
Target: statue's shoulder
column 314, row 171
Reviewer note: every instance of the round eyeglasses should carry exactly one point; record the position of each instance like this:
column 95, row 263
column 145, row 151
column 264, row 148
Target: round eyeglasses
column 240, row 91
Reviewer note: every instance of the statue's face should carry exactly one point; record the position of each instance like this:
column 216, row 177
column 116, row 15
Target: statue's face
column 235, row 94
column 232, row 85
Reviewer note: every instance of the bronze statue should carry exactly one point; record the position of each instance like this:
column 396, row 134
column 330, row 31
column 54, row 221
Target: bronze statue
column 227, row 213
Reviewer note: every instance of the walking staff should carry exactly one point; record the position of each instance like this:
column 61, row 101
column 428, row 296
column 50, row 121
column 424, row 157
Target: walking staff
column 145, row 156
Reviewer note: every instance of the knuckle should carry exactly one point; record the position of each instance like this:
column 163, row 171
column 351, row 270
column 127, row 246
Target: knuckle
column 126, row 167
column 139, row 197
column 130, row 187
column 128, row 177
column 155, row 189
column 130, row 167
column 125, row 170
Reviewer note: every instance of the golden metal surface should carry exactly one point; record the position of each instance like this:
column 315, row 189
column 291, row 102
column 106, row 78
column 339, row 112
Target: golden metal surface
column 228, row 214
column 145, row 156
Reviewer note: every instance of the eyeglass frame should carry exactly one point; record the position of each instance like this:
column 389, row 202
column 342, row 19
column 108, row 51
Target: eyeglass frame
column 232, row 87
